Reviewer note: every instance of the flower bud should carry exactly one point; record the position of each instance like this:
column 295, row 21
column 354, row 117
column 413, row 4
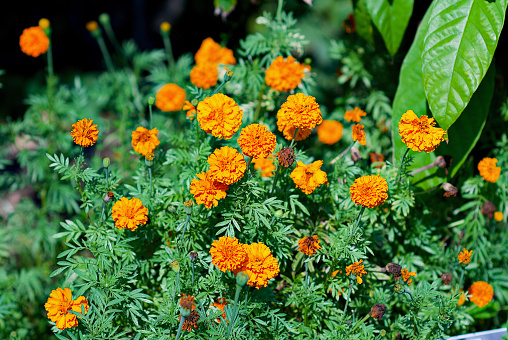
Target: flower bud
column 382, row 332
column 398, row 288
column 279, row 213
column 194, row 102
column 185, row 312
column 106, row 162
column 165, row 27
column 151, row 100
column 286, row 157
column 93, row 27
column 44, row 23
column 193, row 256
column 498, row 216
column 187, row 206
column 377, row 311
column 355, row 154
column 149, row 159
column 176, row 266
column 450, row 190
column 446, row 278
column 104, row 18
column 242, row 278
column 228, row 75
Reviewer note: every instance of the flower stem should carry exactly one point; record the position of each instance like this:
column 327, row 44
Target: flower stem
column 105, row 54
column 461, row 278
column 347, row 300
column 235, row 310
column 277, row 172
column 150, row 175
column 185, row 225
column 306, row 275
column 182, row 320
column 402, row 166
column 248, row 163
column 358, row 220
column 343, row 153
column 51, row 82
column 111, row 36
column 176, row 285
column 280, row 4
column 169, row 50
column 294, row 139
column 192, row 275
column 197, row 132
column 150, row 110
column 360, row 322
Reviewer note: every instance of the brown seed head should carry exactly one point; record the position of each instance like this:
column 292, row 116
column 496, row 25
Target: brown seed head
column 191, row 321
column 450, row 190
column 187, row 302
column 488, row 209
column 286, row 157
column 377, row 311
column 355, row 154
column 446, row 278
column 193, row 256
column 394, row 269
column 440, row 162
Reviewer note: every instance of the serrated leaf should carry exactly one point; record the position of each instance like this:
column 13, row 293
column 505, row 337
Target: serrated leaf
column 457, row 50
column 391, row 21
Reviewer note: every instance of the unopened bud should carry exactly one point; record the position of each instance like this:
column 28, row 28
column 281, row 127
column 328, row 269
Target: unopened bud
column 151, row 100
column 377, row 311
column 176, row 266
column 242, row 278
column 187, row 206
column 286, row 157
column 398, row 288
column 165, row 27
column 104, row 18
column 185, row 312
column 446, row 278
column 194, row 102
column 228, row 75
column 109, row 196
column 44, row 23
column 106, row 162
column 193, row 256
column 450, row 190
column 93, row 27
column 355, row 154
column 382, row 332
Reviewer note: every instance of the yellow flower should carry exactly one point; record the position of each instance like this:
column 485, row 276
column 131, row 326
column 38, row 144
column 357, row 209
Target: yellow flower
column 369, row 191
column 228, row 254
column 265, row 165
column 465, row 256
column 211, row 52
column 308, row 177
column 406, row 275
column 261, row 266
column 33, row 41
column 129, row 213
column 358, row 269
column 482, row 293
column 219, row 116
column 488, row 169
column 204, row 75
column 207, row 191
column 226, row 165
column 284, row 125
column 257, row 141
column 144, row 141
column 329, row 132
column 165, row 26
column 284, row 74
column 498, row 216
column 355, row 115
column 309, row 245
column 419, row 134
column 170, row 97
column 462, row 298
column 359, row 134
column 84, row 133
column 44, row 23
column 191, row 110
column 59, row 304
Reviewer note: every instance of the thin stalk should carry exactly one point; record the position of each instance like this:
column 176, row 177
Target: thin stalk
column 359, row 219
column 151, row 120
column 306, row 275
column 294, row 139
column 176, row 284
column 197, row 133
column 169, row 49
column 111, row 36
column 461, row 278
column 217, row 89
column 277, row 172
column 185, row 225
column 150, row 175
column 347, row 300
column 192, row 275
column 423, row 168
column 235, row 309
column 103, row 210
column 360, row 322
column 182, row 320
column 258, row 106
column 50, row 83
column 248, row 163
column 105, row 54
column 279, row 9
column 107, row 178
column 343, row 153
column 402, row 166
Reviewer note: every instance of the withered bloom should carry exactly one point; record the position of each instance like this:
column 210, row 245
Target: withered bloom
column 193, row 256
column 286, row 157
column 187, row 302
column 450, row 190
column 446, row 278
column 488, row 209
column 394, row 269
column 355, row 154
column 377, row 311
column 191, row 321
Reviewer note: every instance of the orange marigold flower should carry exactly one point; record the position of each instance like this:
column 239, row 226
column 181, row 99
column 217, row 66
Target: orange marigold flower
column 204, row 75
column 228, row 254
column 498, row 216
column 355, row 115
column 284, row 74
column 300, row 111
column 419, row 134
column 84, row 133
column 482, row 293
column 257, row 141
column 261, row 266
column 187, row 302
column 170, row 97
column 309, row 245
column 406, row 274
column 211, row 52
column 359, row 134
column 191, row 110
column 33, row 41
column 190, row 321
column 59, row 304
column 220, row 305
column 207, row 191
column 144, row 141
column 284, row 125
column 330, row 131
column 226, row 165
column 488, row 169
column 219, row 115
column 358, row 269
column 462, row 298
column 129, row 213
column 308, row 177
column 465, row 256
column 369, row 191
column 376, row 157
column 265, row 165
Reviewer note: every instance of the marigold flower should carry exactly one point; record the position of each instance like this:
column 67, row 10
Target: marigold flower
column 84, row 133
column 284, row 74
column 465, row 256
column 419, row 134
column 191, row 110
column 359, row 134
column 219, row 115
column 227, row 165
column 355, row 115
column 406, row 274
column 358, row 269
column 187, row 302
column 462, row 298
column 144, row 141
column 59, row 304
column 482, row 293
column 170, row 97
column 211, row 52
column 129, row 213
column 257, row 141
column 261, row 266
column 33, row 41
column 308, row 177
column 369, row 191
column 376, row 157
column 309, row 245
column 228, row 254
column 488, row 169
column 91, row 26
column 284, row 125
column 204, row 75
column 265, row 165
column 300, row 111
column 220, row 305
column 330, row 131
column 207, row 191
column 190, row 321
column 498, row 216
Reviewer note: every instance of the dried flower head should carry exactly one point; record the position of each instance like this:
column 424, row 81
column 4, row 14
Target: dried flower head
column 33, row 41
column 377, row 311
column 59, row 304
column 193, row 256
column 299, row 111
column 191, row 321
column 228, row 254
column 227, row 165
column 129, row 213
column 257, row 141
column 206, row 190
column 488, row 208
column 84, row 133
column 394, row 269
column 170, row 98
column 308, row 177
column 204, row 75
column 406, row 275
column 286, row 157
column 309, row 245
column 191, row 110
column 187, row 302
column 419, row 134
column 359, row 134
column 355, row 115
column 330, row 131
column 446, row 278
column 284, row 74
column 145, row 141
column 488, row 169
column 450, row 190
column 213, row 53
column 482, row 293
column 265, row 165
column 465, row 256
column 498, row 216
column 358, row 269
column 369, row 191
column 261, row 266
column 219, row 115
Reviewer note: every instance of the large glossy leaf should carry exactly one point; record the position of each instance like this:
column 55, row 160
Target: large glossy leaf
column 362, row 21
column 458, row 47
column 391, row 21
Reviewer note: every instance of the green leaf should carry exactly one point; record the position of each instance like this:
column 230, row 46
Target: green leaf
column 391, row 21
column 362, row 22
column 457, row 50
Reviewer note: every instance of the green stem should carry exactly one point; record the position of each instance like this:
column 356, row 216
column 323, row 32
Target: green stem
column 277, row 172
column 217, row 89
column 235, row 310
column 176, row 284
column 51, row 84
column 279, row 9
column 359, row 219
column 347, row 300
column 192, row 275
column 182, row 320
column 150, row 175
column 248, row 163
column 402, row 166
column 185, row 225
column 360, row 322
column 105, row 54
column 294, row 139
column 343, row 153
column 150, row 109
column 107, row 175
column 460, row 280
column 306, row 275
column 111, row 35
column 258, row 106
column 169, row 49
column 197, row 132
